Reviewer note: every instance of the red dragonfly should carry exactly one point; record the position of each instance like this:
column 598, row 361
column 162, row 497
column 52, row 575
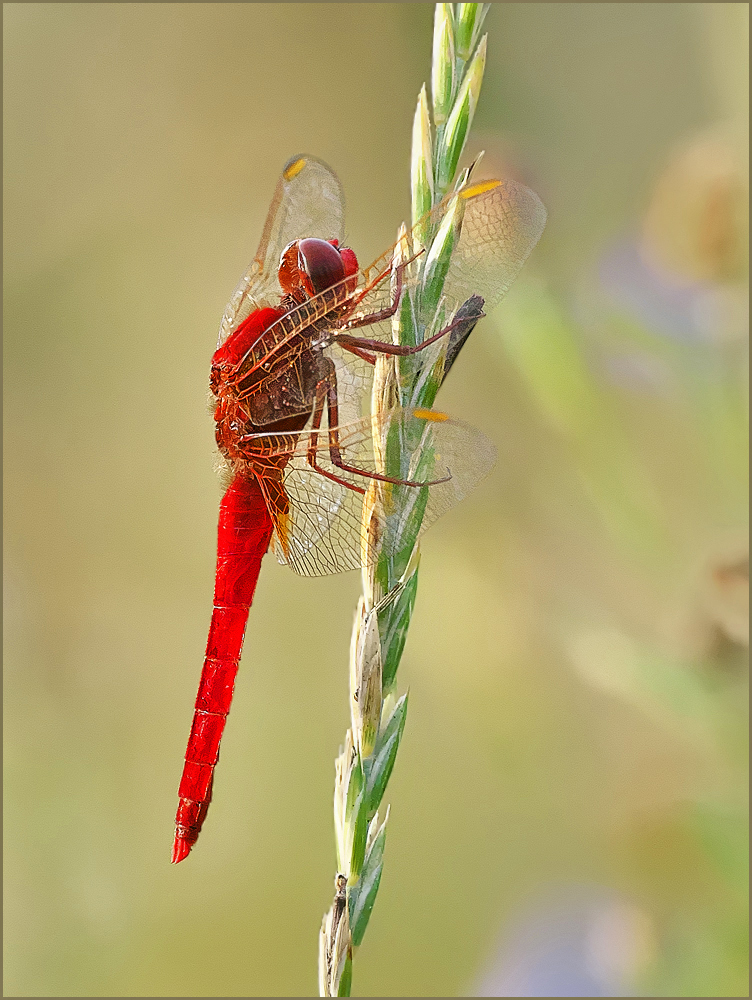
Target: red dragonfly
column 287, row 382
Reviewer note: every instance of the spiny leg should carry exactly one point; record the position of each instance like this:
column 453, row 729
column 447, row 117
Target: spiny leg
column 386, row 313
column 365, row 355
column 323, row 390
column 334, row 450
column 400, row 350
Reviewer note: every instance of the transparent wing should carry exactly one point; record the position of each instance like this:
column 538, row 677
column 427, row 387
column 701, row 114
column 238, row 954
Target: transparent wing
column 318, row 506
column 493, row 225
column 500, row 227
column 497, row 225
column 308, row 201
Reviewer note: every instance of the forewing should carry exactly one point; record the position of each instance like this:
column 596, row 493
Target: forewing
column 500, row 224
column 321, row 531
column 500, row 227
column 308, row 201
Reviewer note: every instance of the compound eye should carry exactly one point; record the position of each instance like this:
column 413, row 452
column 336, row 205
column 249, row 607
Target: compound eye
column 319, row 264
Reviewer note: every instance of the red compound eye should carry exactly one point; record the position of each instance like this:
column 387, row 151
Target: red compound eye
column 321, row 264
column 314, row 265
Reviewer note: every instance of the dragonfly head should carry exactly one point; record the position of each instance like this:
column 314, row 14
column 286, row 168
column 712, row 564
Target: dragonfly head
column 311, row 266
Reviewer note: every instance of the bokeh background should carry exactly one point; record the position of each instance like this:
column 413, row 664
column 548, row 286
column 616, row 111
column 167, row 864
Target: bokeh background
column 569, row 802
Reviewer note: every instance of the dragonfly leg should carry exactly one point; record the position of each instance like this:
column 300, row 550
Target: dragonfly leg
column 400, row 350
column 365, row 355
column 335, row 455
column 324, row 391
column 387, row 312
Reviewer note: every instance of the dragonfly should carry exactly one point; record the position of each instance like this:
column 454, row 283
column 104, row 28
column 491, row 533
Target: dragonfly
column 298, row 343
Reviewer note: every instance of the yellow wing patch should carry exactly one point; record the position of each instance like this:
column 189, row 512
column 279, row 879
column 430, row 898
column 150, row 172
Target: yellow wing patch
column 435, row 415
column 294, row 168
column 480, row 188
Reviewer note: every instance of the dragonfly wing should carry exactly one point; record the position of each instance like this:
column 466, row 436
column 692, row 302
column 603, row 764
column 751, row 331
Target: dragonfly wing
column 500, row 228
column 322, row 532
column 431, row 448
column 308, row 201
column 322, row 527
column 501, row 222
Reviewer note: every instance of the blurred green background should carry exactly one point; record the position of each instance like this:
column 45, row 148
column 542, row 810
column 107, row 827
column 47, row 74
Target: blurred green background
column 577, row 662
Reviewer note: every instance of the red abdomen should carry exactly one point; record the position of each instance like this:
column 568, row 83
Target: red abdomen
column 245, row 529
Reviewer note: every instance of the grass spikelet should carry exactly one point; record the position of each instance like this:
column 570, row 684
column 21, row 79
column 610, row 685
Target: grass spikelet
column 390, row 580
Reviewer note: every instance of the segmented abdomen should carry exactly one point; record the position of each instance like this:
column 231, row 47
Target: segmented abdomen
column 244, row 531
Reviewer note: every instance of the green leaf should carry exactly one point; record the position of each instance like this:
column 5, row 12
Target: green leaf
column 454, row 139
column 442, row 69
column 356, row 818
column 470, row 18
column 421, row 161
column 459, row 121
column 408, row 367
column 394, row 621
column 361, row 898
column 413, row 505
column 379, row 767
column 438, row 260
column 345, row 980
